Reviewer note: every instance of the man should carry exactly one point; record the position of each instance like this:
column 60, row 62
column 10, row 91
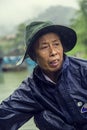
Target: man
column 56, row 93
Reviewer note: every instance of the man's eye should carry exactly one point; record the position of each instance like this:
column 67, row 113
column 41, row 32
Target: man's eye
column 44, row 47
column 56, row 44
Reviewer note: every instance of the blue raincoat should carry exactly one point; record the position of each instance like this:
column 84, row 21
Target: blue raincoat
column 60, row 106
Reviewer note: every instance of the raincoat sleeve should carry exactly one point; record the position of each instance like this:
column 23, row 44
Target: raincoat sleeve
column 47, row 120
column 18, row 108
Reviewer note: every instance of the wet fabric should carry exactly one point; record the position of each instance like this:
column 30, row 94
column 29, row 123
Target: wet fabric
column 60, row 106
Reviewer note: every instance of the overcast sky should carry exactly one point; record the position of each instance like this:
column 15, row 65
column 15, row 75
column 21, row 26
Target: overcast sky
column 13, row 12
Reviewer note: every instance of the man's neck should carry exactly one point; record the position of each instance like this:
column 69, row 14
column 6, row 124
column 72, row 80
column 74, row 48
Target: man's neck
column 53, row 76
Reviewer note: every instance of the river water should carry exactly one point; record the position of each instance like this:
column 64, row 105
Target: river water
column 9, row 81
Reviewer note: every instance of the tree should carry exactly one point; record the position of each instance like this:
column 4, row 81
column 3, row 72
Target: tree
column 19, row 39
column 80, row 23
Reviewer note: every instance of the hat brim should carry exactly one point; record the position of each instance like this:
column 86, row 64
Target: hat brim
column 67, row 35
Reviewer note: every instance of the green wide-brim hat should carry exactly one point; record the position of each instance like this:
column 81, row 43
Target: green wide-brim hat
column 36, row 29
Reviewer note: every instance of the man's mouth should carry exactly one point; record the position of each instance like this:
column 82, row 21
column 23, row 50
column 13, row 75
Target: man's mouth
column 54, row 63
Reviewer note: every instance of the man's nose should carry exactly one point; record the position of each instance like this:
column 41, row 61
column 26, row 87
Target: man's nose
column 53, row 51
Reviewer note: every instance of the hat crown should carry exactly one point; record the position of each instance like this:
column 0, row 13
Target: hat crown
column 33, row 28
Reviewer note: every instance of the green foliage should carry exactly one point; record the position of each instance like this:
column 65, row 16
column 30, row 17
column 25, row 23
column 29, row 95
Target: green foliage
column 83, row 6
column 13, row 45
column 1, row 52
column 19, row 39
column 80, row 24
column 79, row 51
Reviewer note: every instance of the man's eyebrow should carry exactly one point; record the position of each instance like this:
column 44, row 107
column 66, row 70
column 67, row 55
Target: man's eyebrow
column 44, row 42
column 55, row 40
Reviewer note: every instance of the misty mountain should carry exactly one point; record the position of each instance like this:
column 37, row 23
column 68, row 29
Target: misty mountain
column 58, row 14
column 6, row 30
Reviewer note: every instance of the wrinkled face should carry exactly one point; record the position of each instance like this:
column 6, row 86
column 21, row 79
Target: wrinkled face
column 49, row 52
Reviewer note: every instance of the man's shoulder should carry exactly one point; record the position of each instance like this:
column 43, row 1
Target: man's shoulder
column 78, row 61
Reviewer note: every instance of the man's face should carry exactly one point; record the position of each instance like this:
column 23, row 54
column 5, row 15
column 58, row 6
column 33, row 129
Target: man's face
column 49, row 52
